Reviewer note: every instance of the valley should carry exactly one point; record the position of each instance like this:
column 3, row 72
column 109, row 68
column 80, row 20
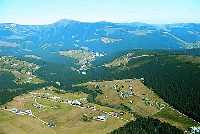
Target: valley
column 83, row 59
column 110, row 78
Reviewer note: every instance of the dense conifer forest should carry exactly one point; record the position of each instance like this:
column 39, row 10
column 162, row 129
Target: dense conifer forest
column 175, row 80
column 175, row 77
column 147, row 126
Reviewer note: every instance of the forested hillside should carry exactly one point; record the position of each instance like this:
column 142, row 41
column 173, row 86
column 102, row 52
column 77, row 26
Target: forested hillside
column 147, row 126
column 174, row 77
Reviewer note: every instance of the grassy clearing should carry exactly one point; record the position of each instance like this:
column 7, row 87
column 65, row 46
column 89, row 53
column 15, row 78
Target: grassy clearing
column 144, row 103
column 67, row 118
column 190, row 59
column 173, row 117
column 12, row 124
column 111, row 95
column 77, row 54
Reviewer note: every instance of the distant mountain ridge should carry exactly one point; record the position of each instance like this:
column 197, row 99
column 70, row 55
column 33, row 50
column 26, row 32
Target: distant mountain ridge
column 99, row 36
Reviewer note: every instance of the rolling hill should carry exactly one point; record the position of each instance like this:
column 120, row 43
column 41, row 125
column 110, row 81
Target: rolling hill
column 100, row 36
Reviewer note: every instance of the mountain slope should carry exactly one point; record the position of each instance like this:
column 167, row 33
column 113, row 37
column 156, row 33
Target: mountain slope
column 99, row 36
column 174, row 77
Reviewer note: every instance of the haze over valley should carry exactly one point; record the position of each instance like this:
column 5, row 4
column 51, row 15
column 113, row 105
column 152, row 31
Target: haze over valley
column 135, row 73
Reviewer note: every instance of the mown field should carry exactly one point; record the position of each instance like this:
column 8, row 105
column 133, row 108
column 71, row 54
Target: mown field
column 66, row 117
column 145, row 103
column 69, row 118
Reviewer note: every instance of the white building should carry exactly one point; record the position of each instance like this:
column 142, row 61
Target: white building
column 84, row 73
column 76, row 102
column 195, row 130
column 102, row 118
column 21, row 112
column 58, row 83
column 55, row 97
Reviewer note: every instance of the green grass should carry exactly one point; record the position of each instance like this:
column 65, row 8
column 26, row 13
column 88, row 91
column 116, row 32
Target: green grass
column 174, row 118
column 4, row 116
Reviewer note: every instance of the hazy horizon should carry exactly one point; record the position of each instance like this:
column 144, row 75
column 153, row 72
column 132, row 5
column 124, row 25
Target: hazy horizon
column 34, row 12
column 67, row 19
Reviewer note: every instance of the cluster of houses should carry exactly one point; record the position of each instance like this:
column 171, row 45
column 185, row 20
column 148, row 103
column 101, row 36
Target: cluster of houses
column 55, row 98
column 126, row 94
column 21, row 112
column 38, row 106
column 80, row 103
column 73, row 102
column 105, row 115
column 15, row 64
column 21, row 69
column 84, row 66
column 116, row 114
column 194, row 130
column 85, row 63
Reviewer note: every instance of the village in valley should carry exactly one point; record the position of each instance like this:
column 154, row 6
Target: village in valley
column 82, row 103
column 83, row 57
column 46, row 104
column 95, row 106
column 22, row 70
column 114, row 104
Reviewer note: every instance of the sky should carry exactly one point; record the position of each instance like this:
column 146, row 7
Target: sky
column 148, row 11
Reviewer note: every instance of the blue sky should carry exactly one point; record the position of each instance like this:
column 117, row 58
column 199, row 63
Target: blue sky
column 149, row 11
